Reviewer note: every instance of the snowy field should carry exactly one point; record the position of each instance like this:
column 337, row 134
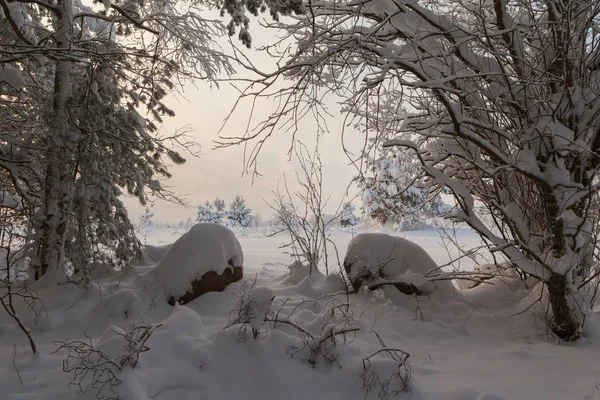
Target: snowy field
column 477, row 345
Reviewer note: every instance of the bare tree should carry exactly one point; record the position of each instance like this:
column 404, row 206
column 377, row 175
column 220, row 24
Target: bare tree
column 502, row 105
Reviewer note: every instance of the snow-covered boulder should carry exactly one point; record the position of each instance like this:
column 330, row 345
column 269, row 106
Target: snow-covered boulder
column 207, row 258
column 376, row 258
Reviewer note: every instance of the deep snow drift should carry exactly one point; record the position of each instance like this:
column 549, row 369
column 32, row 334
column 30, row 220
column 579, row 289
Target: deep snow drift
column 476, row 345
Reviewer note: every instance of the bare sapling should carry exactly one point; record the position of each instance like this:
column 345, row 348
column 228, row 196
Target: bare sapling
column 301, row 214
column 13, row 264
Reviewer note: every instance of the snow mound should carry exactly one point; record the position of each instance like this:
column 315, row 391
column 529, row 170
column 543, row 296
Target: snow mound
column 498, row 292
column 205, row 247
column 299, row 271
column 112, row 342
column 184, row 321
column 378, row 257
column 122, row 304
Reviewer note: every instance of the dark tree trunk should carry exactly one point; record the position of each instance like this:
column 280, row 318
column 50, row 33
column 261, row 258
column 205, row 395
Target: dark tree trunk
column 564, row 320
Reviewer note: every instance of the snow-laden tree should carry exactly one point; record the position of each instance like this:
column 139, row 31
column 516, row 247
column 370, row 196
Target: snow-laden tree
column 502, row 103
column 347, row 216
column 145, row 223
column 145, row 220
column 83, row 87
column 219, row 205
column 238, row 213
column 212, row 212
column 393, row 192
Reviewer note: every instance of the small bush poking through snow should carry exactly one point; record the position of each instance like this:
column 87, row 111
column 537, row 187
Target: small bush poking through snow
column 136, row 338
column 253, row 307
column 145, row 224
column 92, row 367
column 375, row 373
column 337, row 320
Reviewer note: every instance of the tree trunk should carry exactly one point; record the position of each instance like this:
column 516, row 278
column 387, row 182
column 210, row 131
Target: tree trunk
column 564, row 318
column 58, row 186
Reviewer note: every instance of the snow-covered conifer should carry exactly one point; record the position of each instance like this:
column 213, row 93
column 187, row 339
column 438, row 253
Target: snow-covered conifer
column 145, row 223
column 393, row 192
column 347, row 217
column 238, row 213
column 212, row 212
column 146, row 219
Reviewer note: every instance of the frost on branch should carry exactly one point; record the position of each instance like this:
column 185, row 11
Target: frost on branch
column 85, row 88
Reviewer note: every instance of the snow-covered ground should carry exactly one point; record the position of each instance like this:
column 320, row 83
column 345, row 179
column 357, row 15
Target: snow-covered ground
column 475, row 346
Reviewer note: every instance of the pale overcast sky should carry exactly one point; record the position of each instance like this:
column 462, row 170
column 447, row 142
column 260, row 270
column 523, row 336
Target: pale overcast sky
column 220, row 172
